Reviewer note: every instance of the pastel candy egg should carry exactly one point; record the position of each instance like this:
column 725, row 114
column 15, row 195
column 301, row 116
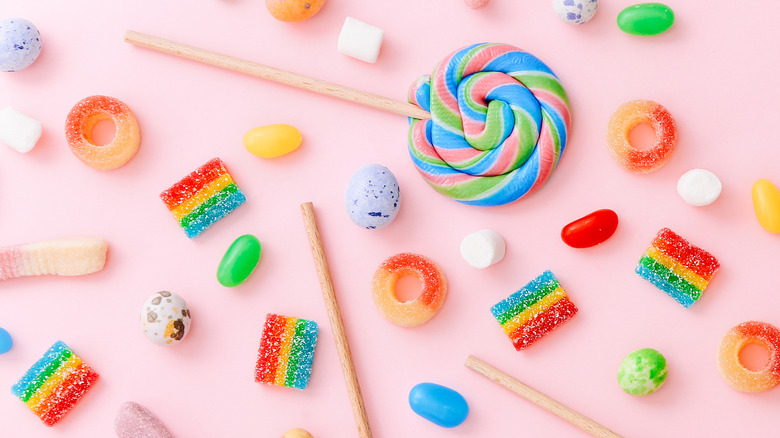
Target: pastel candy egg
column 699, row 187
column 165, row 318
column 438, row 404
column 272, row 140
column 296, row 433
column 575, row 11
column 5, row 341
column 766, row 203
column 239, row 261
column 372, row 197
column 645, row 19
column 642, row 372
column 20, row 44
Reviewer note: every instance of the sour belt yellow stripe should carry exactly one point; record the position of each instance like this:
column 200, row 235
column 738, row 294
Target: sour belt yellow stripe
column 677, row 267
column 202, row 196
column 43, row 393
column 284, row 352
column 538, row 307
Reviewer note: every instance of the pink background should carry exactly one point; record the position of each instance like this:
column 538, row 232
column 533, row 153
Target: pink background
column 715, row 71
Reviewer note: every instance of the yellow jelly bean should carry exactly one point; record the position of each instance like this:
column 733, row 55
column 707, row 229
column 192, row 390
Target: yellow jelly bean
column 766, row 202
column 272, row 140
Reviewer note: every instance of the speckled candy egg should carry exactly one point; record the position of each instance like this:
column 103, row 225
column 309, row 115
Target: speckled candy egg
column 20, row 44
column 575, row 11
column 372, row 197
column 166, row 318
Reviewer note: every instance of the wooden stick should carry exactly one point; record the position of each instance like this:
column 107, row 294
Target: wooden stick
column 276, row 75
column 538, row 398
column 336, row 324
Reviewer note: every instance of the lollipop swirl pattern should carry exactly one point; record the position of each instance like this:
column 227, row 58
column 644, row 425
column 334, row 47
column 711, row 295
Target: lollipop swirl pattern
column 499, row 124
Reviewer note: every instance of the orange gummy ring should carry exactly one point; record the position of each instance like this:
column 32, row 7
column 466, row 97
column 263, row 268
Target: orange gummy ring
column 83, row 117
column 732, row 370
column 419, row 310
column 626, row 118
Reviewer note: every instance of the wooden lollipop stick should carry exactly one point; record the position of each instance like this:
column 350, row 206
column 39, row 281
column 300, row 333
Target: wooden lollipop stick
column 538, row 398
column 276, row 75
column 336, row 324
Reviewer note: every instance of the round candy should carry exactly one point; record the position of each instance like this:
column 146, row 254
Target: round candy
column 20, row 44
column 83, row 118
column 499, row 124
column 239, row 261
column 272, row 140
column 626, row 118
column 293, row 10
column 419, row 310
column 590, row 230
column 483, row 248
column 575, row 11
column 766, row 203
column 642, row 372
column 438, row 404
column 165, row 318
column 477, row 4
column 5, row 341
column 372, row 197
column 699, row 187
column 296, row 433
column 732, row 370
column 645, row 19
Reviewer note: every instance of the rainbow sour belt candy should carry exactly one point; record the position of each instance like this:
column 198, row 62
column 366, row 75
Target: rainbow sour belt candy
column 286, row 351
column 203, row 197
column 677, row 267
column 499, row 124
column 54, row 384
column 533, row 311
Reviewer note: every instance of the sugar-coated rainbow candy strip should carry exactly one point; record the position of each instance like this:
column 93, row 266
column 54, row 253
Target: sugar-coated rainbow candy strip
column 55, row 383
column 676, row 267
column 533, row 311
column 286, row 351
column 203, row 197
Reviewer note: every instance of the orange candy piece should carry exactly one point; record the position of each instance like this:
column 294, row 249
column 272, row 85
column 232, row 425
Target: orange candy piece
column 626, row 118
column 419, row 310
column 82, row 119
column 293, row 10
column 732, row 370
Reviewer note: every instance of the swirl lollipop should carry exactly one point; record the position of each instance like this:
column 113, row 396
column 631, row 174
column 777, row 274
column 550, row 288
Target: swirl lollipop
column 499, row 124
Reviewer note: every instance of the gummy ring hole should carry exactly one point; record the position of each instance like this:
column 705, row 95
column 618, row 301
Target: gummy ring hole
column 103, row 132
column 642, row 136
column 754, row 356
column 408, row 287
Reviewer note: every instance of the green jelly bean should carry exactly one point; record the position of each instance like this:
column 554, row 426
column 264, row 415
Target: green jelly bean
column 239, row 261
column 646, row 19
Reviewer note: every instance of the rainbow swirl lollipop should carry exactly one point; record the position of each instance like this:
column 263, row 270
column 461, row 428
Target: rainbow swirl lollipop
column 499, row 124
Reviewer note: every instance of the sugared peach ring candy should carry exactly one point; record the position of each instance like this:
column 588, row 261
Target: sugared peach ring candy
column 419, row 310
column 735, row 374
column 626, row 118
column 83, row 118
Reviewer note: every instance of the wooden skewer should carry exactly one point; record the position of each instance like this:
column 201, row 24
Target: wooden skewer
column 538, row 398
column 336, row 324
column 276, row 75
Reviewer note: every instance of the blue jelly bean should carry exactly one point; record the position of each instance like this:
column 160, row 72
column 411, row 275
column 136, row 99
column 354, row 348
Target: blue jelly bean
column 438, row 404
column 5, row 341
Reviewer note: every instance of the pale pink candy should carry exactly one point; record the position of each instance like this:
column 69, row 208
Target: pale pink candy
column 69, row 257
column 135, row 421
column 476, row 4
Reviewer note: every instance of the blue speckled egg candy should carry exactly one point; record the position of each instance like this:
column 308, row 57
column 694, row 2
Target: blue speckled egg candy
column 575, row 11
column 20, row 44
column 372, row 197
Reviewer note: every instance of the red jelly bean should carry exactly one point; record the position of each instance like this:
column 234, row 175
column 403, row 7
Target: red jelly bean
column 590, row 230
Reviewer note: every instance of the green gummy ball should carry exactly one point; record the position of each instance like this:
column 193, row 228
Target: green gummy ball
column 642, row 372
column 239, row 261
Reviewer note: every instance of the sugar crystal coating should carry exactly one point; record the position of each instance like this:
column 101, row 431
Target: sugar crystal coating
column 55, row 383
column 677, row 267
column 135, row 421
column 642, row 372
column 419, row 310
column 533, row 311
column 626, row 118
column 67, row 257
column 732, row 370
column 203, row 197
column 286, row 351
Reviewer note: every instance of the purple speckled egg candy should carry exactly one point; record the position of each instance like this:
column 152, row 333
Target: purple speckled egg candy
column 20, row 44
column 372, row 197
column 575, row 11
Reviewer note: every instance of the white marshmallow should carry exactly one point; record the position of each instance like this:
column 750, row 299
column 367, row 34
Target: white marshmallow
column 699, row 187
column 483, row 248
column 360, row 40
column 19, row 131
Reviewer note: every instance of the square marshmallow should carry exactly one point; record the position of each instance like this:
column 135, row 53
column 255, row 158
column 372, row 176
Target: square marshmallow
column 19, row 131
column 360, row 40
